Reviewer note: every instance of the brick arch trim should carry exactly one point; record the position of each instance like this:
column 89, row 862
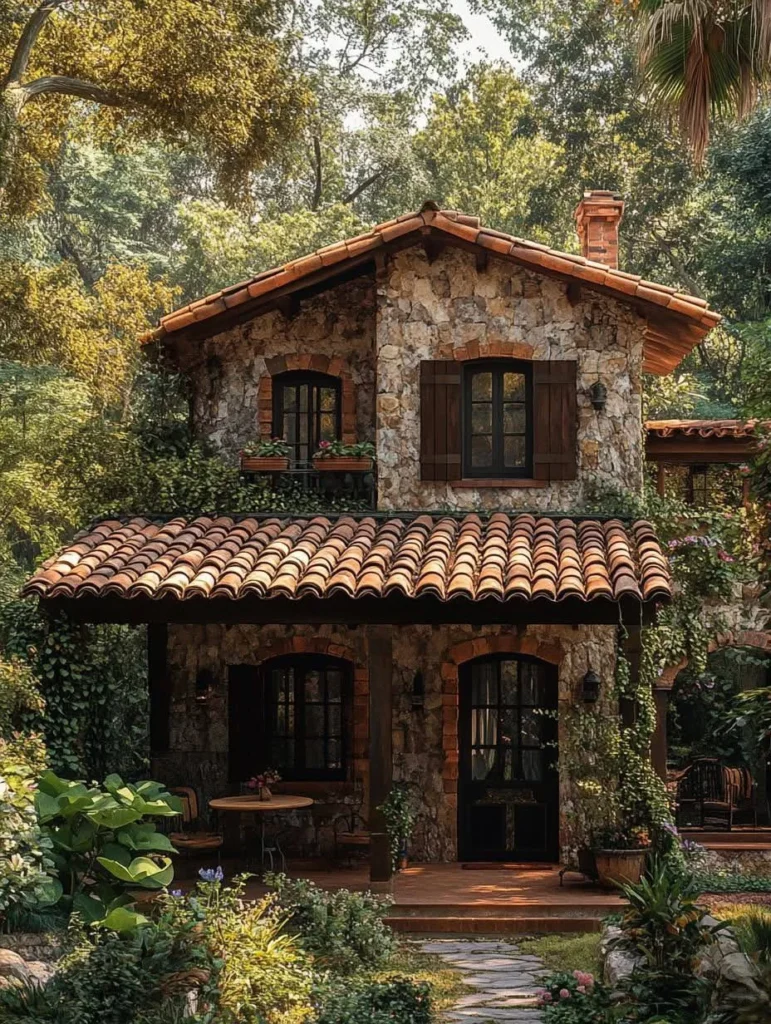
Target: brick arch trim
column 464, row 651
column 317, row 364
column 492, row 350
column 743, row 638
column 322, row 645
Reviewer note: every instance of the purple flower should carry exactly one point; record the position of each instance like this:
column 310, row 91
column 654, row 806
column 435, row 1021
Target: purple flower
column 176, row 893
column 212, row 874
column 669, row 827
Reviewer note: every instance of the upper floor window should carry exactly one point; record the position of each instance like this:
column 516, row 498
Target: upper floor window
column 306, row 410
column 497, row 419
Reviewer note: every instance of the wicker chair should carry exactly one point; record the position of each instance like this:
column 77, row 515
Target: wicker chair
column 195, row 840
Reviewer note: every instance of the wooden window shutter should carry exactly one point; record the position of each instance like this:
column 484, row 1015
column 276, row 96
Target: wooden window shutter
column 440, row 436
column 555, row 427
column 245, row 722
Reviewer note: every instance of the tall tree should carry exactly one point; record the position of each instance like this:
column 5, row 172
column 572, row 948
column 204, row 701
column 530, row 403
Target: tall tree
column 218, row 77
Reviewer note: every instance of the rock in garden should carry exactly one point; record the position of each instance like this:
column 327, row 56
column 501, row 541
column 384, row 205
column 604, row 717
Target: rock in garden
column 13, row 966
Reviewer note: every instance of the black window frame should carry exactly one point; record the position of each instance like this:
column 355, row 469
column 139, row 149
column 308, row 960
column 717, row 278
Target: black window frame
column 498, row 367
column 313, row 379
column 302, row 663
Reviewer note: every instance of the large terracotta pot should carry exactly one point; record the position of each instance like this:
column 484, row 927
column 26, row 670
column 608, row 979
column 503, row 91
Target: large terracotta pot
column 624, row 867
column 343, row 465
column 264, row 463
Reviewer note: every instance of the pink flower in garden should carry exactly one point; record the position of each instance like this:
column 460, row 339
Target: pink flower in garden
column 546, row 997
column 564, row 993
column 725, row 557
column 581, row 989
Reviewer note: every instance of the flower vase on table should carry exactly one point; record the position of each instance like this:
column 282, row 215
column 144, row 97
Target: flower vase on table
column 260, row 784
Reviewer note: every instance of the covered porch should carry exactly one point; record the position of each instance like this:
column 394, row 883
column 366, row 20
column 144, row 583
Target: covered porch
column 443, row 648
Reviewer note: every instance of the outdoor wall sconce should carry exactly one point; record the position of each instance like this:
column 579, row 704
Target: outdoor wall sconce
column 204, row 685
column 590, row 687
column 418, row 692
column 598, row 395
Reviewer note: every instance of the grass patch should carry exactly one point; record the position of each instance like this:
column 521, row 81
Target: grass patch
column 409, row 961
column 566, row 951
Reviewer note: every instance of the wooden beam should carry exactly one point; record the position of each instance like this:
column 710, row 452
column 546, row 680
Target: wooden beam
column 482, row 259
column 573, row 292
column 289, row 306
column 393, row 609
column 380, row 657
column 159, row 686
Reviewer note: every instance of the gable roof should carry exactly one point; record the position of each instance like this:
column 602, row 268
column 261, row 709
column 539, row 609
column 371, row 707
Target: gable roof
column 741, row 429
column 676, row 322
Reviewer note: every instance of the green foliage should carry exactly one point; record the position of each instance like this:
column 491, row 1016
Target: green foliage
column 342, row 450
column 728, row 883
column 273, row 448
column 25, row 849
column 343, row 930
column 400, row 815
column 574, row 997
column 566, row 952
column 105, row 844
column 378, row 1002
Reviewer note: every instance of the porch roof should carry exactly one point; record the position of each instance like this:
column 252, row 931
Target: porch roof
column 431, row 562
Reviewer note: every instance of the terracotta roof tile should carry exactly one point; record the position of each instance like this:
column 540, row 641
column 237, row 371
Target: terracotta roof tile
column 702, row 428
column 681, row 320
column 503, row 557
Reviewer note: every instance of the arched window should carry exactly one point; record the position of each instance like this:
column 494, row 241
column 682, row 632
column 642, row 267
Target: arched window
column 306, row 410
column 497, row 418
column 292, row 713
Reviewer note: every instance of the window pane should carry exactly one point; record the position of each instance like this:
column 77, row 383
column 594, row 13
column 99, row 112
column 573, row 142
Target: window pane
column 532, row 694
column 513, row 451
column 327, row 427
column 513, row 387
column 289, row 427
column 335, row 726
column 484, row 727
column 280, row 753
column 531, row 728
column 327, row 399
column 290, row 397
column 482, row 387
column 532, row 765
column 303, row 397
column 333, row 686
column 482, row 763
column 510, row 727
column 481, row 450
column 314, row 754
column 314, row 720
column 334, row 754
column 481, row 418
column 513, row 418
column 484, row 689
column 313, row 686
column 509, row 687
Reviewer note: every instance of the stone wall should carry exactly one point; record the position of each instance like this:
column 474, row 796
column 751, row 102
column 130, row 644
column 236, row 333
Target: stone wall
column 227, row 370
column 449, row 309
column 424, row 741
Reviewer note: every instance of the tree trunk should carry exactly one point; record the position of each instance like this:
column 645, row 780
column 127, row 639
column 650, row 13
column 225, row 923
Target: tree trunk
column 12, row 100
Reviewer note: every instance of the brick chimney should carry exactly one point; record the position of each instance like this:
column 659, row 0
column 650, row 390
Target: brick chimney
column 598, row 216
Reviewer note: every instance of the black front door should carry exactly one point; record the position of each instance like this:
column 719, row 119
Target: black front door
column 508, row 787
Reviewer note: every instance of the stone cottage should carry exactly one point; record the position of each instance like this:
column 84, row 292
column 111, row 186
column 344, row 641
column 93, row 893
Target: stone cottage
column 500, row 383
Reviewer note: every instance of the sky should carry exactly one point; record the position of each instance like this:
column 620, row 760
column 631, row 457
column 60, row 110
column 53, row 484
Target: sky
column 484, row 39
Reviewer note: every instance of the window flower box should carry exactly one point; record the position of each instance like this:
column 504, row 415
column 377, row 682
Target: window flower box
column 270, row 456
column 264, row 463
column 337, row 457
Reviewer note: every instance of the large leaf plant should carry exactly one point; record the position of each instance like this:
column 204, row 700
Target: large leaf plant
column 105, row 845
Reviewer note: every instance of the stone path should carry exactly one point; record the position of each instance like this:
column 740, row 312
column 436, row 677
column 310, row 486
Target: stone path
column 505, row 980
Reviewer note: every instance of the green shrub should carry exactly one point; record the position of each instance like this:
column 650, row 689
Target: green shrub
column 393, row 1001
column 727, row 883
column 344, row 930
column 25, row 852
column 574, row 997
column 104, row 843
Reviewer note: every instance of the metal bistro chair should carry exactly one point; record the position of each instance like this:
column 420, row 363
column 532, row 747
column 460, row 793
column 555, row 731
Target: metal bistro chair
column 195, row 840
column 351, row 832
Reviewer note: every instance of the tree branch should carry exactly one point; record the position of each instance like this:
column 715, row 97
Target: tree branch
column 72, row 87
column 362, row 187
column 28, row 38
column 688, row 280
column 316, row 201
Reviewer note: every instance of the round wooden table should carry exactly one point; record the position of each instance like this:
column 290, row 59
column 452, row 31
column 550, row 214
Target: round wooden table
column 251, row 804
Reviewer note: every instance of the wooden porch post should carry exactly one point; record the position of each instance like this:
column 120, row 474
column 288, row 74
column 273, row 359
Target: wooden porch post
column 659, row 739
column 159, row 686
column 380, row 654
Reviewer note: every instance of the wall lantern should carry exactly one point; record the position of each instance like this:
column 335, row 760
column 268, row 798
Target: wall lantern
column 204, row 685
column 418, row 692
column 590, row 687
column 598, row 395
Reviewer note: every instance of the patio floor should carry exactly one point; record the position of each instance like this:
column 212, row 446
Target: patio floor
column 440, row 898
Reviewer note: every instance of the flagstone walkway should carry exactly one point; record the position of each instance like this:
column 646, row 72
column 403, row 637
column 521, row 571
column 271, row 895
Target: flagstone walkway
column 505, row 980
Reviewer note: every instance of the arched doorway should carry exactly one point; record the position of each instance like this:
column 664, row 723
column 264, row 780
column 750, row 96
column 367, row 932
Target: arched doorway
column 508, row 784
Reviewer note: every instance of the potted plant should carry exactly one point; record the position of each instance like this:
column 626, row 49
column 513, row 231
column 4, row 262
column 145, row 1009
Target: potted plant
column 344, row 458
column 266, row 456
column 620, row 855
column 400, row 816
column 261, row 783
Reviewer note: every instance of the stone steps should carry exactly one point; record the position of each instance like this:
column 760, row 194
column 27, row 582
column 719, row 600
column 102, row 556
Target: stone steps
column 475, row 924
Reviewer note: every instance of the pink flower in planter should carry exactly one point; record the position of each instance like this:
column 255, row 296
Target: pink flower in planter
column 325, row 444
